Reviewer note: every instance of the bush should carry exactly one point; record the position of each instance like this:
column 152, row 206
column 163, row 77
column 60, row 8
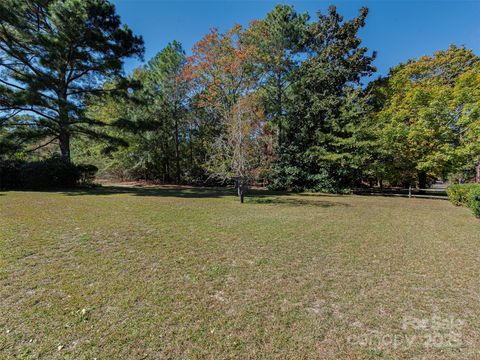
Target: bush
column 87, row 174
column 459, row 193
column 44, row 174
column 466, row 195
column 474, row 201
column 10, row 174
column 49, row 173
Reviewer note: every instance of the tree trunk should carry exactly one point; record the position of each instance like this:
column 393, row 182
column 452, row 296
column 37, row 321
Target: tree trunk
column 64, row 136
column 380, row 183
column 279, row 110
column 240, row 193
column 177, row 154
column 241, row 188
column 422, row 179
column 190, row 141
column 167, row 169
column 477, row 179
column 64, row 139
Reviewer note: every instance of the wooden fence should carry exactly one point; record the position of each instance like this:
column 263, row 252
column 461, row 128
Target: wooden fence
column 432, row 193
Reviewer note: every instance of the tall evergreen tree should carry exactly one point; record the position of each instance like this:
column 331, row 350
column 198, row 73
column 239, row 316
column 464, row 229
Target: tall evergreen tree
column 168, row 89
column 54, row 54
column 324, row 135
column 279, row 39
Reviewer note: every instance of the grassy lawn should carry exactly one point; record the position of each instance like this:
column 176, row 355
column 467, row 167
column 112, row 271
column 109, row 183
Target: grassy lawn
column 153, row 273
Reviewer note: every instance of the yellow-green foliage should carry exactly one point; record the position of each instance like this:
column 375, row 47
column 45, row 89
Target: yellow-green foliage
column 430, row 120
column 459, row 193
column 474, row 201
column 465, row 195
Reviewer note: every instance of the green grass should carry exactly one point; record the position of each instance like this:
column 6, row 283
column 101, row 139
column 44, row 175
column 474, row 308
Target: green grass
column 155, row 273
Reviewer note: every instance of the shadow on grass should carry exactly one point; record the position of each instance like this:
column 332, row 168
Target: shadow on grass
column 254, row 196
column 180, row 192
column 285, row 200
column 165, row 191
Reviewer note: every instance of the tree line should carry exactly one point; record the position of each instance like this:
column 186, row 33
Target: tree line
column 281, row 102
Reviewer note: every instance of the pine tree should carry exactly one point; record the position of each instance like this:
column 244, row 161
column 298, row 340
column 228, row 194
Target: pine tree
column 324, row 136
column 168, row 90
column 55, row 54
column 279, row 40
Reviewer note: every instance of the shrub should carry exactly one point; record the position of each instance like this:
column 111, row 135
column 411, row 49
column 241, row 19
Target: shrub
column 10, row 174
column 87, row 174
column 474, row 201
column 49, row 173
column 459, row 193
column 466, row 195
column 44, row 174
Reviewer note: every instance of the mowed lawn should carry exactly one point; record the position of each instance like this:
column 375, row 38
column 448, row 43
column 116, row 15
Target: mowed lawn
column 163, row 273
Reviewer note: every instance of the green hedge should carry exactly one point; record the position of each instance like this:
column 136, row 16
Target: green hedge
column 474, row 201
column 44, row 174
column 10, row 174
column 465, row 195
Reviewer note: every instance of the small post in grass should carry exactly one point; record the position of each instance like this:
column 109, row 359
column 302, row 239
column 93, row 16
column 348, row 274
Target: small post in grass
column 410, row 192
column 241, row 184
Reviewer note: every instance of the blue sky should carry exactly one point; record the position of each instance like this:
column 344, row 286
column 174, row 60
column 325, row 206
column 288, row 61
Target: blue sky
column 397, row 30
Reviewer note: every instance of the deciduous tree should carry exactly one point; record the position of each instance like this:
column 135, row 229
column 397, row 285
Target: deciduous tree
column 428, row 125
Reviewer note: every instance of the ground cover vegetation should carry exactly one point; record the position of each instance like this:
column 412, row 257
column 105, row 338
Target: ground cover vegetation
column 191, row 273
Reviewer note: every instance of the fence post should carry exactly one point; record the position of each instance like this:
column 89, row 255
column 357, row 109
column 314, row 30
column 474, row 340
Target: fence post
column 410, row 192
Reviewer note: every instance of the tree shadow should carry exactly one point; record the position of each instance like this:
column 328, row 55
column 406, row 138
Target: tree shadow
column 313, row 194
column 166, row 191
column 170, row 191
column 254, row 196
column 293, row 201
